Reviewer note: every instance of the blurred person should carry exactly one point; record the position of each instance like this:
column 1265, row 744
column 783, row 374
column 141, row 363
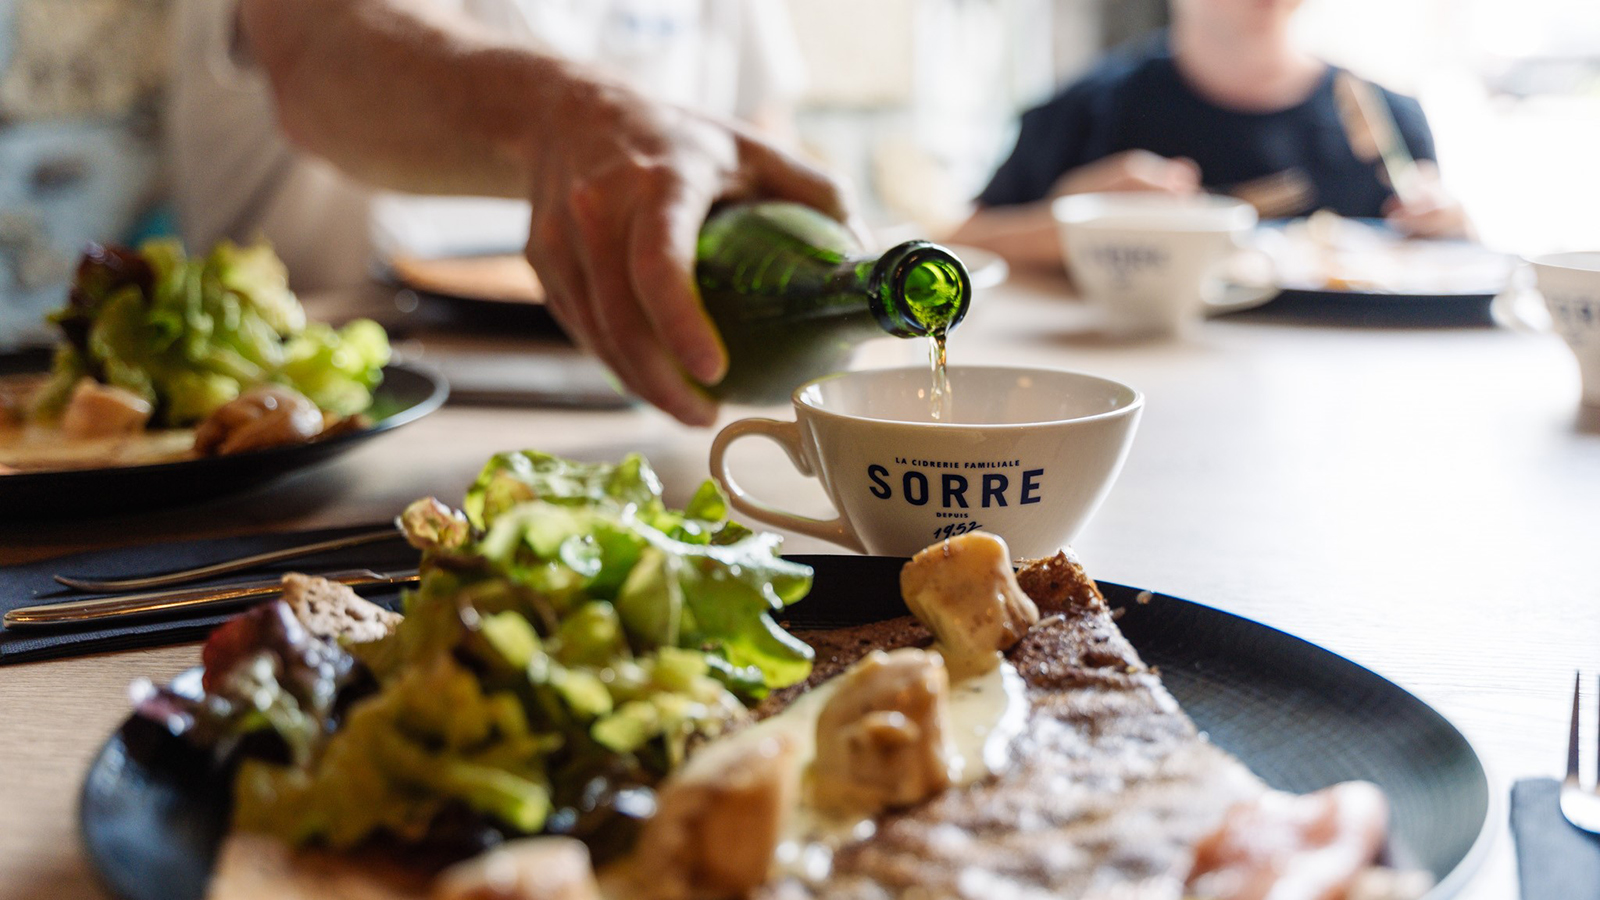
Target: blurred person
column 286, row 113
column 1221, row 101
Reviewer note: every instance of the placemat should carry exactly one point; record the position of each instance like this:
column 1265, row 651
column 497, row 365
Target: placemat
column 31, row 584
column 1556, row 860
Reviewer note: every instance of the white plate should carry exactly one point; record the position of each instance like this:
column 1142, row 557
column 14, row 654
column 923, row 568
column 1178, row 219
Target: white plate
column 1240, row 297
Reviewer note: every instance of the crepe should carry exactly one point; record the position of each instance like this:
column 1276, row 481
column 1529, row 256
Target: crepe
column 1111, row 789
column 37, row 448
column 1110, row 792
column 30, row 446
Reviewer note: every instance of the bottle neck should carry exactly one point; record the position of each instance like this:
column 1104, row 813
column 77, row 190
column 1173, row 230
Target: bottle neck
column 919, row 288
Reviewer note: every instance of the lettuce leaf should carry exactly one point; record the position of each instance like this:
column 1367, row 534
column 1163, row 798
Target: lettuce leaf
column 512, row 478
column 674, row 577
column 189, row 334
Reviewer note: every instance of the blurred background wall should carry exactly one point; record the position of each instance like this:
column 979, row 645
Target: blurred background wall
column 917, row 104
column 915, row 100
column 80, row 153
column 1512, row 90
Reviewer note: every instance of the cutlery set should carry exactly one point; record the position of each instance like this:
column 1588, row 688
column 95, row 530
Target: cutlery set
column 129, row 598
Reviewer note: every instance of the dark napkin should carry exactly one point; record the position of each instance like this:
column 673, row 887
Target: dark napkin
column 31, row 584
column 1555, row 859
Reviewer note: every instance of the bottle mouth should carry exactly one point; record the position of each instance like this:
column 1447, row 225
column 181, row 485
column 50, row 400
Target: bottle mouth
column 920, row 288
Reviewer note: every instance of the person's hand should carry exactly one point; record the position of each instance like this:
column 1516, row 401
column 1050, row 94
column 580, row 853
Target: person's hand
column 619, row 189
column 1433, row 213
column 1132, row 170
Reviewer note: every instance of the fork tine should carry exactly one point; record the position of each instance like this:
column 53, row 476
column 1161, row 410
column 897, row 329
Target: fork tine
column 1572, row 739
column 1597, row 741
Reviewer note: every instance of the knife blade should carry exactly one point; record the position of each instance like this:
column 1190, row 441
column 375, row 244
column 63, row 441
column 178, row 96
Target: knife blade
column 153, row 603
column 1370, row 126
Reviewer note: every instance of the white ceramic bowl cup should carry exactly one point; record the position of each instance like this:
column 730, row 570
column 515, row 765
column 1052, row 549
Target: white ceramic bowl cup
column 1570, row 283
column 1148, row 261
column 1028, row 454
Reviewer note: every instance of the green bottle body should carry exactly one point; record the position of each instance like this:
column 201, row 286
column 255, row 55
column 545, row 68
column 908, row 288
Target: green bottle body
column 793, row 294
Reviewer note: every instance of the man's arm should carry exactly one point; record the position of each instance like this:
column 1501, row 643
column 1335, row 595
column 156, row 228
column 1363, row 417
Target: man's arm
column 404, row 94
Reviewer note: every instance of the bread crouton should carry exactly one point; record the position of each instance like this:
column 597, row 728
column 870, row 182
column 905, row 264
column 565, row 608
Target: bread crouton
column 332, row 610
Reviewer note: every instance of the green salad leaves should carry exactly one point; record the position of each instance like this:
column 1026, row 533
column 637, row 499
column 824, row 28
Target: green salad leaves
column 685, row 578
column 190, row 334
column 570, row 640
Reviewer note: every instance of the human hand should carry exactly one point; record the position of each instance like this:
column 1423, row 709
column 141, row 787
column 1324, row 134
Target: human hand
column 620, row 186
column 1432, row 213
column 1132, row 170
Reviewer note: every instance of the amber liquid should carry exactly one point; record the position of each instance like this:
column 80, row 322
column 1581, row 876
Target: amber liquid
column 940, row 399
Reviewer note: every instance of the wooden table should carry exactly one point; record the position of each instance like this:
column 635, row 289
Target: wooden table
column 1424, row 501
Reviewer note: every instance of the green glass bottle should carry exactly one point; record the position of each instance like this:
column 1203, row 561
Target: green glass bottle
column 792, row 293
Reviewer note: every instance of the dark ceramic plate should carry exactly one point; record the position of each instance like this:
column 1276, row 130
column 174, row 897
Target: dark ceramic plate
column 470, row 293
column 1373, row 310
column 1457, row 301
column 407, row 393
column 1299, row 716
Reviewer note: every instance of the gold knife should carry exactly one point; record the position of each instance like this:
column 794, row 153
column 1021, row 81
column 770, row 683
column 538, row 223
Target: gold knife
column 128, row 606
column 1374, row 136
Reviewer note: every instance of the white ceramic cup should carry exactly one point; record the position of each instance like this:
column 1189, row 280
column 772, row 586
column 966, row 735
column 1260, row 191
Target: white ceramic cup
column 1570, row 283
column 1148, row 261
column 1028, row 454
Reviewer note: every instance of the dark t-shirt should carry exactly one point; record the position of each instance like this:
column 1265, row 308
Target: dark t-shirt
column 1135, row 99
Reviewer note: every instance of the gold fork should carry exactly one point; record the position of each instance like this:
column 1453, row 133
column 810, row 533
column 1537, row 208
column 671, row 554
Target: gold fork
column 200, row 573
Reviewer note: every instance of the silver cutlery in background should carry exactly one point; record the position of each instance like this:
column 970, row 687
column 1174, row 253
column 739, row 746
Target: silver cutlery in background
column 131, row 606
column 200, row 573
column 1580, row 805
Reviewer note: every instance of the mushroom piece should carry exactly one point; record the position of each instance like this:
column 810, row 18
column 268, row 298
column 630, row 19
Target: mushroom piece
column 265, row 416
column 881, row 738
column 101, row 410
column 718, row 819
column 539, row 868
column 965, row 591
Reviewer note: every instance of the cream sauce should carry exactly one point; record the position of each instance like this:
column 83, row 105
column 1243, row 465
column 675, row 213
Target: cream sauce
column 987, row 712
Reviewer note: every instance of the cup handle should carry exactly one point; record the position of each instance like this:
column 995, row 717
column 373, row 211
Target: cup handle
column 787, row 436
